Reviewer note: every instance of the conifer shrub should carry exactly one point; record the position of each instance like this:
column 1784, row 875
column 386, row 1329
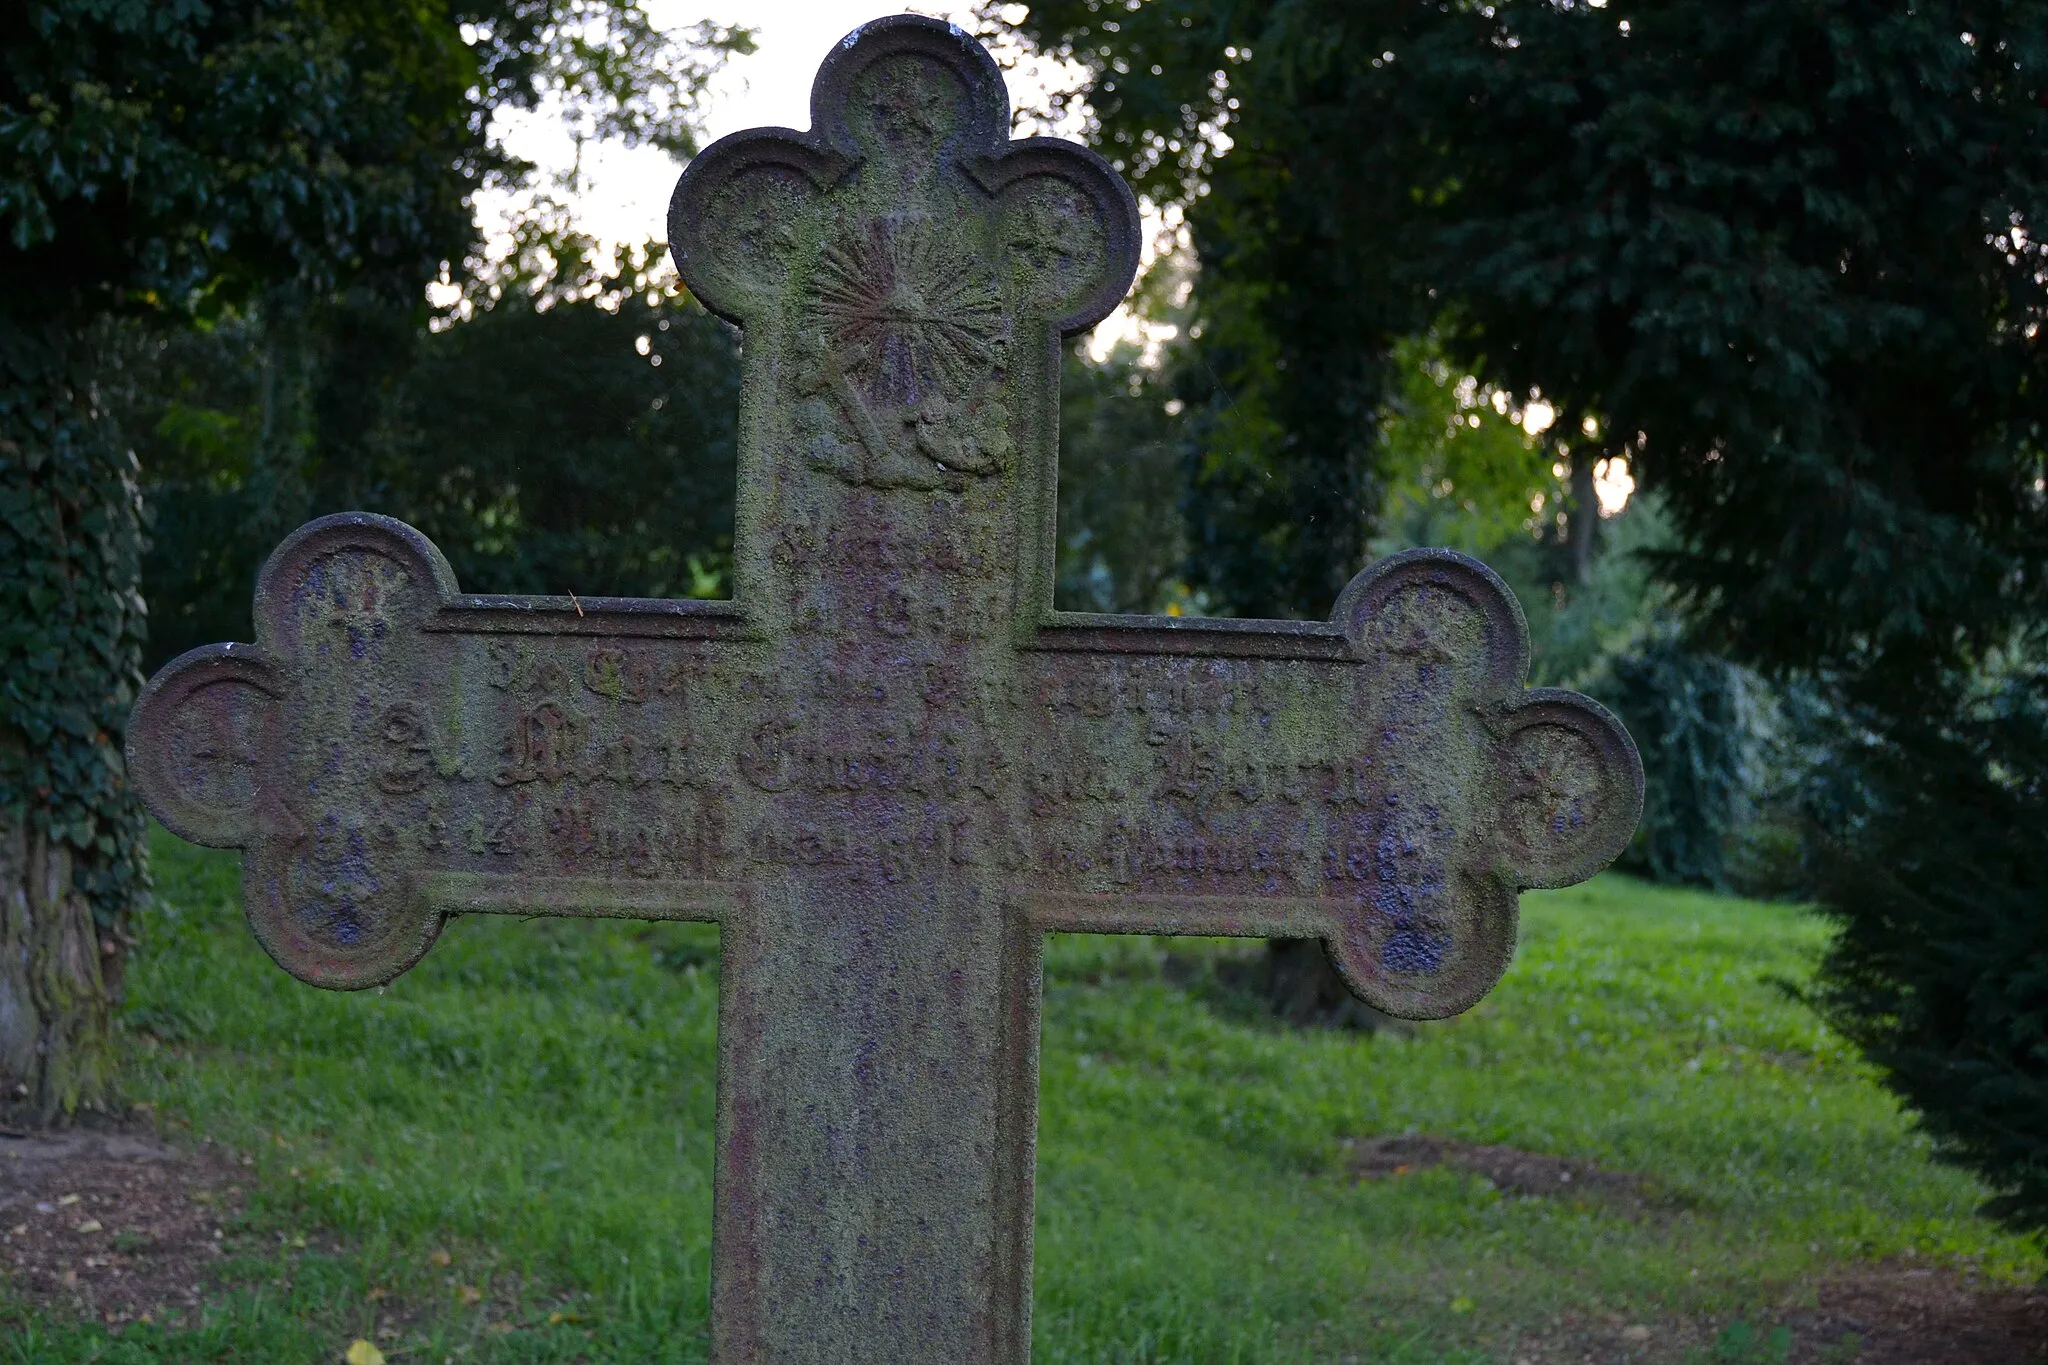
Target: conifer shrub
column 1694, row 718
column 1934, row 868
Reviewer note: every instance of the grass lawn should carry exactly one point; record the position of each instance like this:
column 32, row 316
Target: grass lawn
column 513, row 1144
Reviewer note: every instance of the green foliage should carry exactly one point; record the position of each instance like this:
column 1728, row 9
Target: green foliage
column 1287, row 364
column 160, row 156
column 166, row 155
column 181, row 161
column 534, row 442
column 1462, row 471
column 612, row 73
column 1123, row 545
column 1460, row 468
column 1694, row 719
column 1789, row 254
column 587, row 448
column 1280, row 483
column 1778, row 242
column 1935, row 876
column 536, row 1098
column 255, row 141
column 71, row 636
column 1789, row 259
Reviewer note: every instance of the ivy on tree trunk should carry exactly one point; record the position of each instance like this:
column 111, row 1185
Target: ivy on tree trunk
column 71, row 832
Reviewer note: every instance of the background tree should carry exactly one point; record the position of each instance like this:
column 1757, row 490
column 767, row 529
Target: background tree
column 1123, row 547
column 575, row 434
column 1461, row 468
column 174, row 163
column 1789, row 256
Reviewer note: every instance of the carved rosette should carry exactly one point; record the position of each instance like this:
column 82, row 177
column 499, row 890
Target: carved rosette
column 907, row 314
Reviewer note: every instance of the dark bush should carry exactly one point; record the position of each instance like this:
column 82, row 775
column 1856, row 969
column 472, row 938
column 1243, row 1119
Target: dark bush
column 585, row 447
column 1695, row 718
column 1935, row 869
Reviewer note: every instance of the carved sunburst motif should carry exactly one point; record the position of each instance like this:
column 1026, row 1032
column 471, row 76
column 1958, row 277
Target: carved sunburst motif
column 908, row 313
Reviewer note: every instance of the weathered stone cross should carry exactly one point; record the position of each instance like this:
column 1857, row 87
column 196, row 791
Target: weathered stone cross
column 887, row 767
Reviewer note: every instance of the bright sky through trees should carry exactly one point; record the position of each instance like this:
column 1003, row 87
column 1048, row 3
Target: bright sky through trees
column 624, row 195
column 625, row 198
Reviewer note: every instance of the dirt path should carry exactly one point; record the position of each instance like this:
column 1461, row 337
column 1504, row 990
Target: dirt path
column 1879, row 1315
column 1887, row 1314
column 115, row 1224
column 121, row 1226
column 1914, row 1316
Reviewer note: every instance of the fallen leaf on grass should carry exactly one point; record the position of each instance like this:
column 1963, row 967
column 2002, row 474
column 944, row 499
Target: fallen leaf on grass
column 557, row 1319
column 470, row 1294
column 361, row 1352
column 439, row 1257
column 1461, row 1304
column 377, row 1292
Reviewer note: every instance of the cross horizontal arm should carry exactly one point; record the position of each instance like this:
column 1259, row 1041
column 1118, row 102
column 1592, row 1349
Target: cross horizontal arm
column 392, row 751
column 1382, row 782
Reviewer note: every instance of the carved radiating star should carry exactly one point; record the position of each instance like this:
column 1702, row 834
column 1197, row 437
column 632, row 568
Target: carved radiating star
column 908, row 313
column 906, row 99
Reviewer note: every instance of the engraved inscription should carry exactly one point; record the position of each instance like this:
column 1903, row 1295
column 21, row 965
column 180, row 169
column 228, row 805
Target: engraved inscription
column 780, row 754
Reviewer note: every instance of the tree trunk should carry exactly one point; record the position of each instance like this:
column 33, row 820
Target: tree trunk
column 56, row 1046
column 1584, row 523
column 284, row 439
column 1305, row 990
column 71, row 833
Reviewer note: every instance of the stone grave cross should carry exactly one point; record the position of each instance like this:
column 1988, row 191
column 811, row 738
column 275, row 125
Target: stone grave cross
column 887, row 767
